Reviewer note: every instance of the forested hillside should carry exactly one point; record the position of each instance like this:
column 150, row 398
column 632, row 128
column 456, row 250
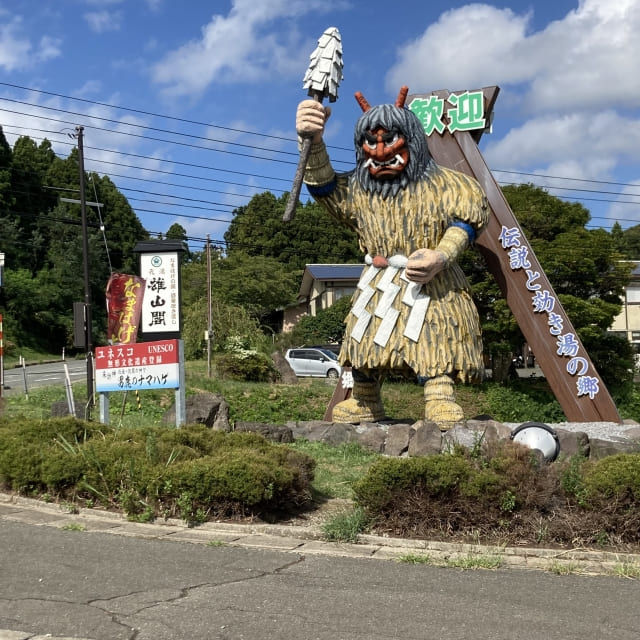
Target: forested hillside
column 41, row 237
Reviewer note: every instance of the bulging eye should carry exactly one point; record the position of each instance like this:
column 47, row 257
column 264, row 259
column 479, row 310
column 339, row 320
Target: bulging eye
column 391, row 138
column 370, row 141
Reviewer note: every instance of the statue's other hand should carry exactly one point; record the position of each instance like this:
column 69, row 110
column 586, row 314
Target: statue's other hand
column 424, row 264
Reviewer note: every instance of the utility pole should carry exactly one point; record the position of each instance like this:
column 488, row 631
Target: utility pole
column 88, row 339
column 208, row 307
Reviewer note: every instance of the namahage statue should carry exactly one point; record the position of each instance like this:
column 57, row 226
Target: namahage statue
column 412, row 313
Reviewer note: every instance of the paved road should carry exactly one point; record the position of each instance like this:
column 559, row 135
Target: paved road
column 42, row 375
column 117, row 580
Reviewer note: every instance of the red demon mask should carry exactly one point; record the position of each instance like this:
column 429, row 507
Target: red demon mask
column 386, row 152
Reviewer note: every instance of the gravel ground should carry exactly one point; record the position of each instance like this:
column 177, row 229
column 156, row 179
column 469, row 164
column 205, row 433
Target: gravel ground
column 600, row 430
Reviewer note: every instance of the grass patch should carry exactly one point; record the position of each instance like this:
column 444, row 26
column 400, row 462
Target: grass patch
column 563, row 568
column 472, row 562
column 216, row 543
column 337, row 467
column 345, row 527
column 73, row 526
column 627, row 570
column 416, row 558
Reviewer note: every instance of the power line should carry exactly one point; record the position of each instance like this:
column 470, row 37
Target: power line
column 141, row 112
column 99, row 162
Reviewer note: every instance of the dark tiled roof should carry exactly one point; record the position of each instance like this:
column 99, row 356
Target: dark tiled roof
column 335, row 271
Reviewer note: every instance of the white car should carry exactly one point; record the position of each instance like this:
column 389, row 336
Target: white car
column 317, row 363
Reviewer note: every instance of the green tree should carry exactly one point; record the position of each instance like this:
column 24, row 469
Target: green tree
column 32, row 200
column 311, row 237
column 257, row 284
column 629, row 245
column 42, row 237
column 327, row 326
column 6, row 158
column 227, row 321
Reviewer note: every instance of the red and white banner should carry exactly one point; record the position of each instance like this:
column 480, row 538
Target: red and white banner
column 146, row 365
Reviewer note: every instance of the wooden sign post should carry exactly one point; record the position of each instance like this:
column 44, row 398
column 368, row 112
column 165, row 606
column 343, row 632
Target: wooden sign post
column 454, row 123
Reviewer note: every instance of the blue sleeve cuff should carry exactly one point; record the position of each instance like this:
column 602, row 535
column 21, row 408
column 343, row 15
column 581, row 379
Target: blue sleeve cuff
column 319, row 191
column 471, row 232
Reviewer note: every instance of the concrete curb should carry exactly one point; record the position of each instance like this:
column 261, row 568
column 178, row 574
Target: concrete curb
column 309, row 540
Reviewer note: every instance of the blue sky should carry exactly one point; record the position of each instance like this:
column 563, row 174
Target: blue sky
column 190, row 107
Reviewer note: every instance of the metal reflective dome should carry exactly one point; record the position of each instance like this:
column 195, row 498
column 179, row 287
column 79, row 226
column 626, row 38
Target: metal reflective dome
column 537, row 435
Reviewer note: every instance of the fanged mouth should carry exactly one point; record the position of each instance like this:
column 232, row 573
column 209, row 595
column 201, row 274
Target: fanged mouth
column 395, row 163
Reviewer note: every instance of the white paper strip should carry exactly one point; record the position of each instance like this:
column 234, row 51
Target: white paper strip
column 386, row 327
column 362, row 301
column 386, row 279
column 386, row 301
column 361, row 326
column 411, row 293
column 416, row 318
column 367, row 277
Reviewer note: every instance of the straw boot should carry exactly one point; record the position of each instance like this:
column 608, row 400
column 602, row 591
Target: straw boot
column 364, row 405
column 439, row 403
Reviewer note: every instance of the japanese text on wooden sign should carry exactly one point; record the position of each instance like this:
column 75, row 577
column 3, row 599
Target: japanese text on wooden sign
column 542, row 301
column 146, row 365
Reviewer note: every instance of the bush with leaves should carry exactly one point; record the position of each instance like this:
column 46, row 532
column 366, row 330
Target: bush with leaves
column 504, row 494
column 193, row 472
column 242, row 363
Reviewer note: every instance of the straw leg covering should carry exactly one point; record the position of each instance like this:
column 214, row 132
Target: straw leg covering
column 439, row 403
column 364, row 405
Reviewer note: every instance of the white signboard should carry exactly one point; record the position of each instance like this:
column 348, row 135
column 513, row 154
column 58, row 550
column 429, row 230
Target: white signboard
column 160, row 305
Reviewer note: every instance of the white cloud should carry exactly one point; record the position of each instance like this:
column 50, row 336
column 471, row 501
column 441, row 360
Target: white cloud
column 588, row 58
column 577, row 145
column 571, row 87
column 101, row 21
column 243, row 46
column 16, row 49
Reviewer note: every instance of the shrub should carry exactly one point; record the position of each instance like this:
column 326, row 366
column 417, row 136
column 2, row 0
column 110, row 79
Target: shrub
column 30, row 454
column 455, row 492
column 193, row 471
column 613, row 478
column 250, row 366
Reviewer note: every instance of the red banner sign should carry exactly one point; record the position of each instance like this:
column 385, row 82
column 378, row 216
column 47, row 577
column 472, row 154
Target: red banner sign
column 124, row 306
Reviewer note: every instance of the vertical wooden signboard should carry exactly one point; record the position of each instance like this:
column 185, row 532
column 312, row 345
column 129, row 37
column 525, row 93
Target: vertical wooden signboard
column 454, row 123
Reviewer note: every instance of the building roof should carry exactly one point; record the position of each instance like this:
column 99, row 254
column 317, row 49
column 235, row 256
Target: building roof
column 314, row 272
column 335, row 271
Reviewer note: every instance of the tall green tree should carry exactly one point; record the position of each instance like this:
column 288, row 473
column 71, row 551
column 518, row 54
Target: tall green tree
column 311, row 237
column 6, row 159
column 42, row 237
column 257, row 284
column 629, row 243
column 31, row 198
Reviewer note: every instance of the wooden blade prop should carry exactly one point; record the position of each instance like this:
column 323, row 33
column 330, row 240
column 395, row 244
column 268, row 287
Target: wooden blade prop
column 321, row 81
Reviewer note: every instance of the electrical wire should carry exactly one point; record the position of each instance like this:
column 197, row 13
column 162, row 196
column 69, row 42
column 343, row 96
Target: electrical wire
column 187, row 202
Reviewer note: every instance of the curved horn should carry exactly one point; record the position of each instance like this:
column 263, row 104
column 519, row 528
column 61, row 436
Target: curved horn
column 402, row 96
column 362, row 101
